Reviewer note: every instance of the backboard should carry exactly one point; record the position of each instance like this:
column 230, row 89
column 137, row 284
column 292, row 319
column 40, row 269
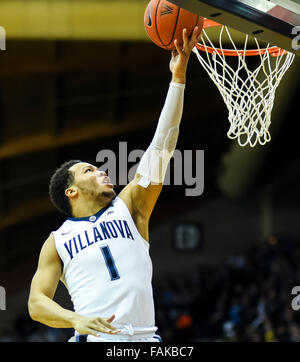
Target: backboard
column 277, row 22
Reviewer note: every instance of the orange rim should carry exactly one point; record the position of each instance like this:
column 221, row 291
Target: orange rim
column 274, row 51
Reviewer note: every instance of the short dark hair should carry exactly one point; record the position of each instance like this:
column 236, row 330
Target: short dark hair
column 59, row 182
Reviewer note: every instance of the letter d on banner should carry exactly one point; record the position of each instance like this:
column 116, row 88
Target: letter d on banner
column 2, row 299
column 2, row 38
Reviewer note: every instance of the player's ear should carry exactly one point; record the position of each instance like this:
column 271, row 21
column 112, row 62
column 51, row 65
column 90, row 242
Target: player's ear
column 71, row 192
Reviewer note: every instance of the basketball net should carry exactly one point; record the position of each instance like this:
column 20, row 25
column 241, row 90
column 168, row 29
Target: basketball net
column 248, row 93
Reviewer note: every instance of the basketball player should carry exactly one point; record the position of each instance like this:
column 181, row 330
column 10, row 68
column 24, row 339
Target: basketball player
column 101, row 252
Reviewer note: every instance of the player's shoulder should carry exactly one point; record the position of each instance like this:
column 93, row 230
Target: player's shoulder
column 64, row 229
column 117, row 201
column 121, row 203
column 49, row 251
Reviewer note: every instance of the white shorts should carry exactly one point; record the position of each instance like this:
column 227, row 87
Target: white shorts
column 146, row 337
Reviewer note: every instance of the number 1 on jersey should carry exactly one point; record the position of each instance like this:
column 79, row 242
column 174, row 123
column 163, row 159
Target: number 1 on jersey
column 110, row 263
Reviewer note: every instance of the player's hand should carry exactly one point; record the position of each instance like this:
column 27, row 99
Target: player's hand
column 94, row 325
column 180, row 56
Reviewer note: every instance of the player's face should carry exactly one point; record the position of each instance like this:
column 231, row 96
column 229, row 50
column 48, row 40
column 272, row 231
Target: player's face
column 90, row 180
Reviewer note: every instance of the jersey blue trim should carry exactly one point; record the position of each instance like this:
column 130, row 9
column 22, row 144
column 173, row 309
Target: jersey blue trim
column 157, row 337
column 81, row 337
column 87, row 218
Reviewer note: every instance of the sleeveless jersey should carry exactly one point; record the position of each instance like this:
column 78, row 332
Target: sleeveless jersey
column 107, row 267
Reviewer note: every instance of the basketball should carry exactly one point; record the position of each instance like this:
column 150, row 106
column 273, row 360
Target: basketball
column 165, row 21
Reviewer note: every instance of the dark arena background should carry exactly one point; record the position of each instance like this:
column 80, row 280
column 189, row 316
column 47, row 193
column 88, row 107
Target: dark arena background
column 78, row 77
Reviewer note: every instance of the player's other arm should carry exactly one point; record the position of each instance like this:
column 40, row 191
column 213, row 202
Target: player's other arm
column 141, row 194
column 44, row 309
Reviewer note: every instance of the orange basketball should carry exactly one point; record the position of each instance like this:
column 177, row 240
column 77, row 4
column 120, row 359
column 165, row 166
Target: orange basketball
column 165, row 21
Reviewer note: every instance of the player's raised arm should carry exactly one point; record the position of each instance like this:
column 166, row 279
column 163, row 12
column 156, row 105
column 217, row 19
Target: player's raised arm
column 142, row 193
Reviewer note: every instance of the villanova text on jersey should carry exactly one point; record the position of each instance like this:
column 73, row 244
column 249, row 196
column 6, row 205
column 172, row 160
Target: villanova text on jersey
column 104, row 230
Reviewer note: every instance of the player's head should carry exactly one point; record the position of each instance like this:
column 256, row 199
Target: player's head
column 79, row 181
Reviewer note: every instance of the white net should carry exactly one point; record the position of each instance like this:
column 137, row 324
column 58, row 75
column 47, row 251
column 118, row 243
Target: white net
column 248, row 93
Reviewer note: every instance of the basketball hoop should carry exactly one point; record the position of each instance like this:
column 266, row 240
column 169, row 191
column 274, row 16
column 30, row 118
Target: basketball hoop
column 248, row 94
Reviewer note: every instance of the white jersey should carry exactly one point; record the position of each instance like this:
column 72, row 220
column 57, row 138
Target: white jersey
column 107, row 268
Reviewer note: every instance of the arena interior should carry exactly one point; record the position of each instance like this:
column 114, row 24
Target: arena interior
column 78, row 77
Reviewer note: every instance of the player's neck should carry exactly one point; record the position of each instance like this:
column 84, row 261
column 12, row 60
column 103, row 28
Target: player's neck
column 88, row 207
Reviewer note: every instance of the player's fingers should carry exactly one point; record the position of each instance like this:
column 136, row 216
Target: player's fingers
column 110, row 327
column 110, row 319
column 195, row 33
column 195, row 36
column 189, row 43
column 96, row 331
column 178, row 48
column 185, row 38
column 107, row 325
column 92, row 332
column 98, row 327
